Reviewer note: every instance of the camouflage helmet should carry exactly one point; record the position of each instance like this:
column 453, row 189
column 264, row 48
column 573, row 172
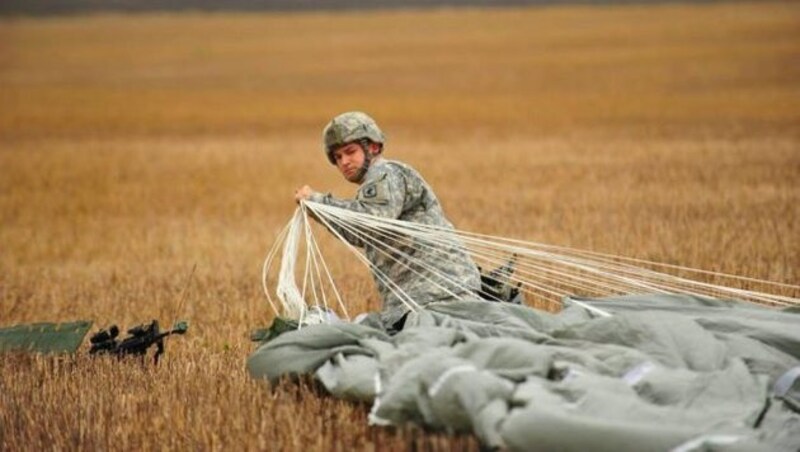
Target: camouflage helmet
column 347, row 128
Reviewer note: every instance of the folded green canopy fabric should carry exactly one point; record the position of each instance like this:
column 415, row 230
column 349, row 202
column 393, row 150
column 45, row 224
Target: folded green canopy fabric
column 662, row 372
column 44, row 337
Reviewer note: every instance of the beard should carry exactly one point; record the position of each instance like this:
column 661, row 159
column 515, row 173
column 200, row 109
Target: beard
column 356, row 176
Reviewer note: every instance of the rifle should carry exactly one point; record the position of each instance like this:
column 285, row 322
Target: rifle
column 140, row 339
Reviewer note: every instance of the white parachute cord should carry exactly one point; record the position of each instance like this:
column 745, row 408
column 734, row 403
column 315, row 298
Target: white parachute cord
column 542, row 288
column 573, row 281
column 308, row 277
column 375, row 243
column 271, row 257
column 643, row 283
column 330, row 280
column 287, row 291
column 549, row 256
column 307, row 263
column 611, row 257
column 527, row 284
column 674, row 283
column 311, row 245
column 739, row 292
column 605, row 256
column 268, row 263
column 664, row 281
column 378, row 273
column 539, row 245
column 530, row 283
column 486, row 257
column 406, row 261
column 319, row 261
column 315, row 270
column 499, row 258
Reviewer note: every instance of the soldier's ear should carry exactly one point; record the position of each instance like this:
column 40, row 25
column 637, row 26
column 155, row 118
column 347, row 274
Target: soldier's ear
column 374, row 148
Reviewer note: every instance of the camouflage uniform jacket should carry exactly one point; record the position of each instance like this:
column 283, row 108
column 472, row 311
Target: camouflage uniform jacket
column 438, row 272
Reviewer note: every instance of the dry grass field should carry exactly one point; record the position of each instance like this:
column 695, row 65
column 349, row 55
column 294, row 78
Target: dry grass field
column 133, row 148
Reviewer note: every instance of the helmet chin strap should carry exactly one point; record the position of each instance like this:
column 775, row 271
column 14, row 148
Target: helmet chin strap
column 365, row 166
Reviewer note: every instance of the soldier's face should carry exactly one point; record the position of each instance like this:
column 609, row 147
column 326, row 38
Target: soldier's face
column 350, row 159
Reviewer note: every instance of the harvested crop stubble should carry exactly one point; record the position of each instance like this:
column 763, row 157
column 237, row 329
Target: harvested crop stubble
column 667, row 133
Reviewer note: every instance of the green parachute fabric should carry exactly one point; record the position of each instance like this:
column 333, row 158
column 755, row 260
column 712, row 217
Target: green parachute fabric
column 663, row 372
column 44, row 337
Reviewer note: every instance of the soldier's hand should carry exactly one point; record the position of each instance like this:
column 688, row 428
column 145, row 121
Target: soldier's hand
column 302, row 193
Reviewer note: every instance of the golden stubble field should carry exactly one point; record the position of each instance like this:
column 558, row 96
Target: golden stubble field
column 133, row 148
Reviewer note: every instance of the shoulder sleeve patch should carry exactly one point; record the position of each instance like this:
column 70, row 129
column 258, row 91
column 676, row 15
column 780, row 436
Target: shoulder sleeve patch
column 375, row 190
column 370, row 192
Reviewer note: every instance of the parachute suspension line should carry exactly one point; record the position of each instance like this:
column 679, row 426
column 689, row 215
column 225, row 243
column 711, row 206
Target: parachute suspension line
column 406, row 260
column 672, row 281
column 315, row 247
column 571, row 251
column 550, row 270
column 498, row 261
column 546, row 272
column 643, row 278
column 268, row 263
column 291, row 299
column 310, row 260
column 377, row 272
column 557, row 294
column 550, row 279
column 498, row 258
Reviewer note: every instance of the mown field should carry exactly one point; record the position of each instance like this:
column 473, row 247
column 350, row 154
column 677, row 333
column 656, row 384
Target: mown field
column 134, row 148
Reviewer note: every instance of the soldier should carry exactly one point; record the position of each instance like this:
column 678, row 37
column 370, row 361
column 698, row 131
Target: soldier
column 390, row 189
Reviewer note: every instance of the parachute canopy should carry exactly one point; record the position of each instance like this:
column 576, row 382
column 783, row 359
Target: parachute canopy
column 641, row 356
column 695, row 372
